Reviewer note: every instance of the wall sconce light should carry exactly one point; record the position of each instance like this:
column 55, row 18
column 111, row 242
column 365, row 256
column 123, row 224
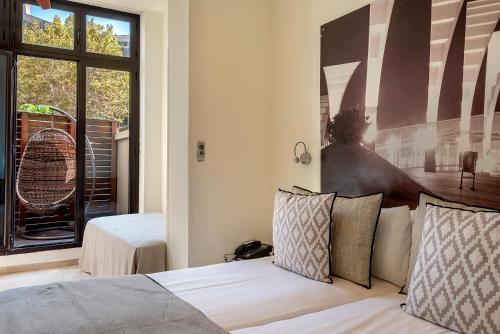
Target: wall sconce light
column 305, row 157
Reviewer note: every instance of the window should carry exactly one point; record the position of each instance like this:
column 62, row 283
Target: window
column 74, row 29
column 116, row 33
column 48, row 27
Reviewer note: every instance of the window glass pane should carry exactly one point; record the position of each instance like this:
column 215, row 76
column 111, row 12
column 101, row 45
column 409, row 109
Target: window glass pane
column 108, row 37
column 45, row 82
column 107, row 158
column 45, row 151
column 48, row 27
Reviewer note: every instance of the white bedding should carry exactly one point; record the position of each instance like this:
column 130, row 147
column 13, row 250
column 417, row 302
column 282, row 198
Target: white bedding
column 378, row 315
column 124, row 245
column 251, row 293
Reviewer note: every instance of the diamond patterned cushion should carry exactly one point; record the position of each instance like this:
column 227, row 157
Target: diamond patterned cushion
column 456, row 279
column 301, row 234
column 302, row 191
column 418, row 225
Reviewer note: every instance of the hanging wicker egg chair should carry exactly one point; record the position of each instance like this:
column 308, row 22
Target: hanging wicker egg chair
column 46, row 177
column 46, row 180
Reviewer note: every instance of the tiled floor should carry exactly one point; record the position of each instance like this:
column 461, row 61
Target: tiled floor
column 29, row 278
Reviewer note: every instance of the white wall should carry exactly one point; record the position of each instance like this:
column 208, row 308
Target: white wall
column 253, row 92
column 177, row 135
column 230, row 197
column 296, row 88
column 153, row 111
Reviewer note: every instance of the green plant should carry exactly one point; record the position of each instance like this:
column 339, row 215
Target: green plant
column 27, row 107
column 39, row 109
column 348, row 127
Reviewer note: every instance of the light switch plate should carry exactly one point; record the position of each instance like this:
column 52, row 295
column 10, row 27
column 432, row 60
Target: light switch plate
column 201, row 151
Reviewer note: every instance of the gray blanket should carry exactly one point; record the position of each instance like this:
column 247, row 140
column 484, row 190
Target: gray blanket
column 127, row 304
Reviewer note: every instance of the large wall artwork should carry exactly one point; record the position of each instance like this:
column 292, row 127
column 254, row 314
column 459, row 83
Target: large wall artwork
column 425, row 75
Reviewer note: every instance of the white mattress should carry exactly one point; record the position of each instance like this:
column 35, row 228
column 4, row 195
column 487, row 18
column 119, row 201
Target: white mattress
column 251, row 293
column 378, row 315
column 123, row 245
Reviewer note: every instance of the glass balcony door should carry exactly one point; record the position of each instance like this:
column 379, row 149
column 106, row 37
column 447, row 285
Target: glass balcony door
column 46, row 156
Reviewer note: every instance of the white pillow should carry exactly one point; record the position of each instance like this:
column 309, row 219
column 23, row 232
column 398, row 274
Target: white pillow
column 391, row 250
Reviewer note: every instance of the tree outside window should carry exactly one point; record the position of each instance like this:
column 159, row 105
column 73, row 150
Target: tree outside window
column 42, row 82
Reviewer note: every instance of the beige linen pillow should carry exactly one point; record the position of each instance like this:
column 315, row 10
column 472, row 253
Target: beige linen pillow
column 391, row 251
column 456, row 280
column 354, row 223
column 301, row 234
column 418, row 224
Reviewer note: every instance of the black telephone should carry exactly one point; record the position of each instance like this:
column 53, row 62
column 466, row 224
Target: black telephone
column 252, row 249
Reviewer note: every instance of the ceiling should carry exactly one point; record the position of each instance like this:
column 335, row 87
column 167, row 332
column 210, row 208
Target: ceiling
column 131, row 5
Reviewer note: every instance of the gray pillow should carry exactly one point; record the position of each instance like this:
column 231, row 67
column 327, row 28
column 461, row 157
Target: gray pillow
column 455, row 283
column 354, row 223
column 353, row 232
column 418, row 223
column 301, row 234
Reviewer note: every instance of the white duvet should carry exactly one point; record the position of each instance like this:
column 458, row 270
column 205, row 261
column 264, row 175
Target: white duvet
column 252, row 293
column 378, row 315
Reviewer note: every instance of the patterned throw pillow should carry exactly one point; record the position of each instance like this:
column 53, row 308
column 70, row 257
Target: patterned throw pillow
column 302, row 191
column 301, row 234
column 456, row 279
column 353, row 232
column 418, row 225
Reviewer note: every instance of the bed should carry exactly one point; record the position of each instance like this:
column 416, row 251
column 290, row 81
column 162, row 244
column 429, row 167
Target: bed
column 124, row 245
column 376, row 315
column 231, row 296
column 250, row 293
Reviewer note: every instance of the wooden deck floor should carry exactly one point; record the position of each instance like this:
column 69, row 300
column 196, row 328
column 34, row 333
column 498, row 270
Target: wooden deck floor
column 447, row 184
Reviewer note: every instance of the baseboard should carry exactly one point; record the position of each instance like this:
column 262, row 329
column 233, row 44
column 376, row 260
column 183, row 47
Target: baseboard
column 37, row 266
column 39, row 260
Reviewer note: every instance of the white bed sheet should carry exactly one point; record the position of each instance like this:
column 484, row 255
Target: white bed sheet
column 124, row 245
column 377, row 315
column 251, row 293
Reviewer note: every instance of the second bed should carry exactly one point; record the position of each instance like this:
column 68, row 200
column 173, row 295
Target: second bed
column 256, row 292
